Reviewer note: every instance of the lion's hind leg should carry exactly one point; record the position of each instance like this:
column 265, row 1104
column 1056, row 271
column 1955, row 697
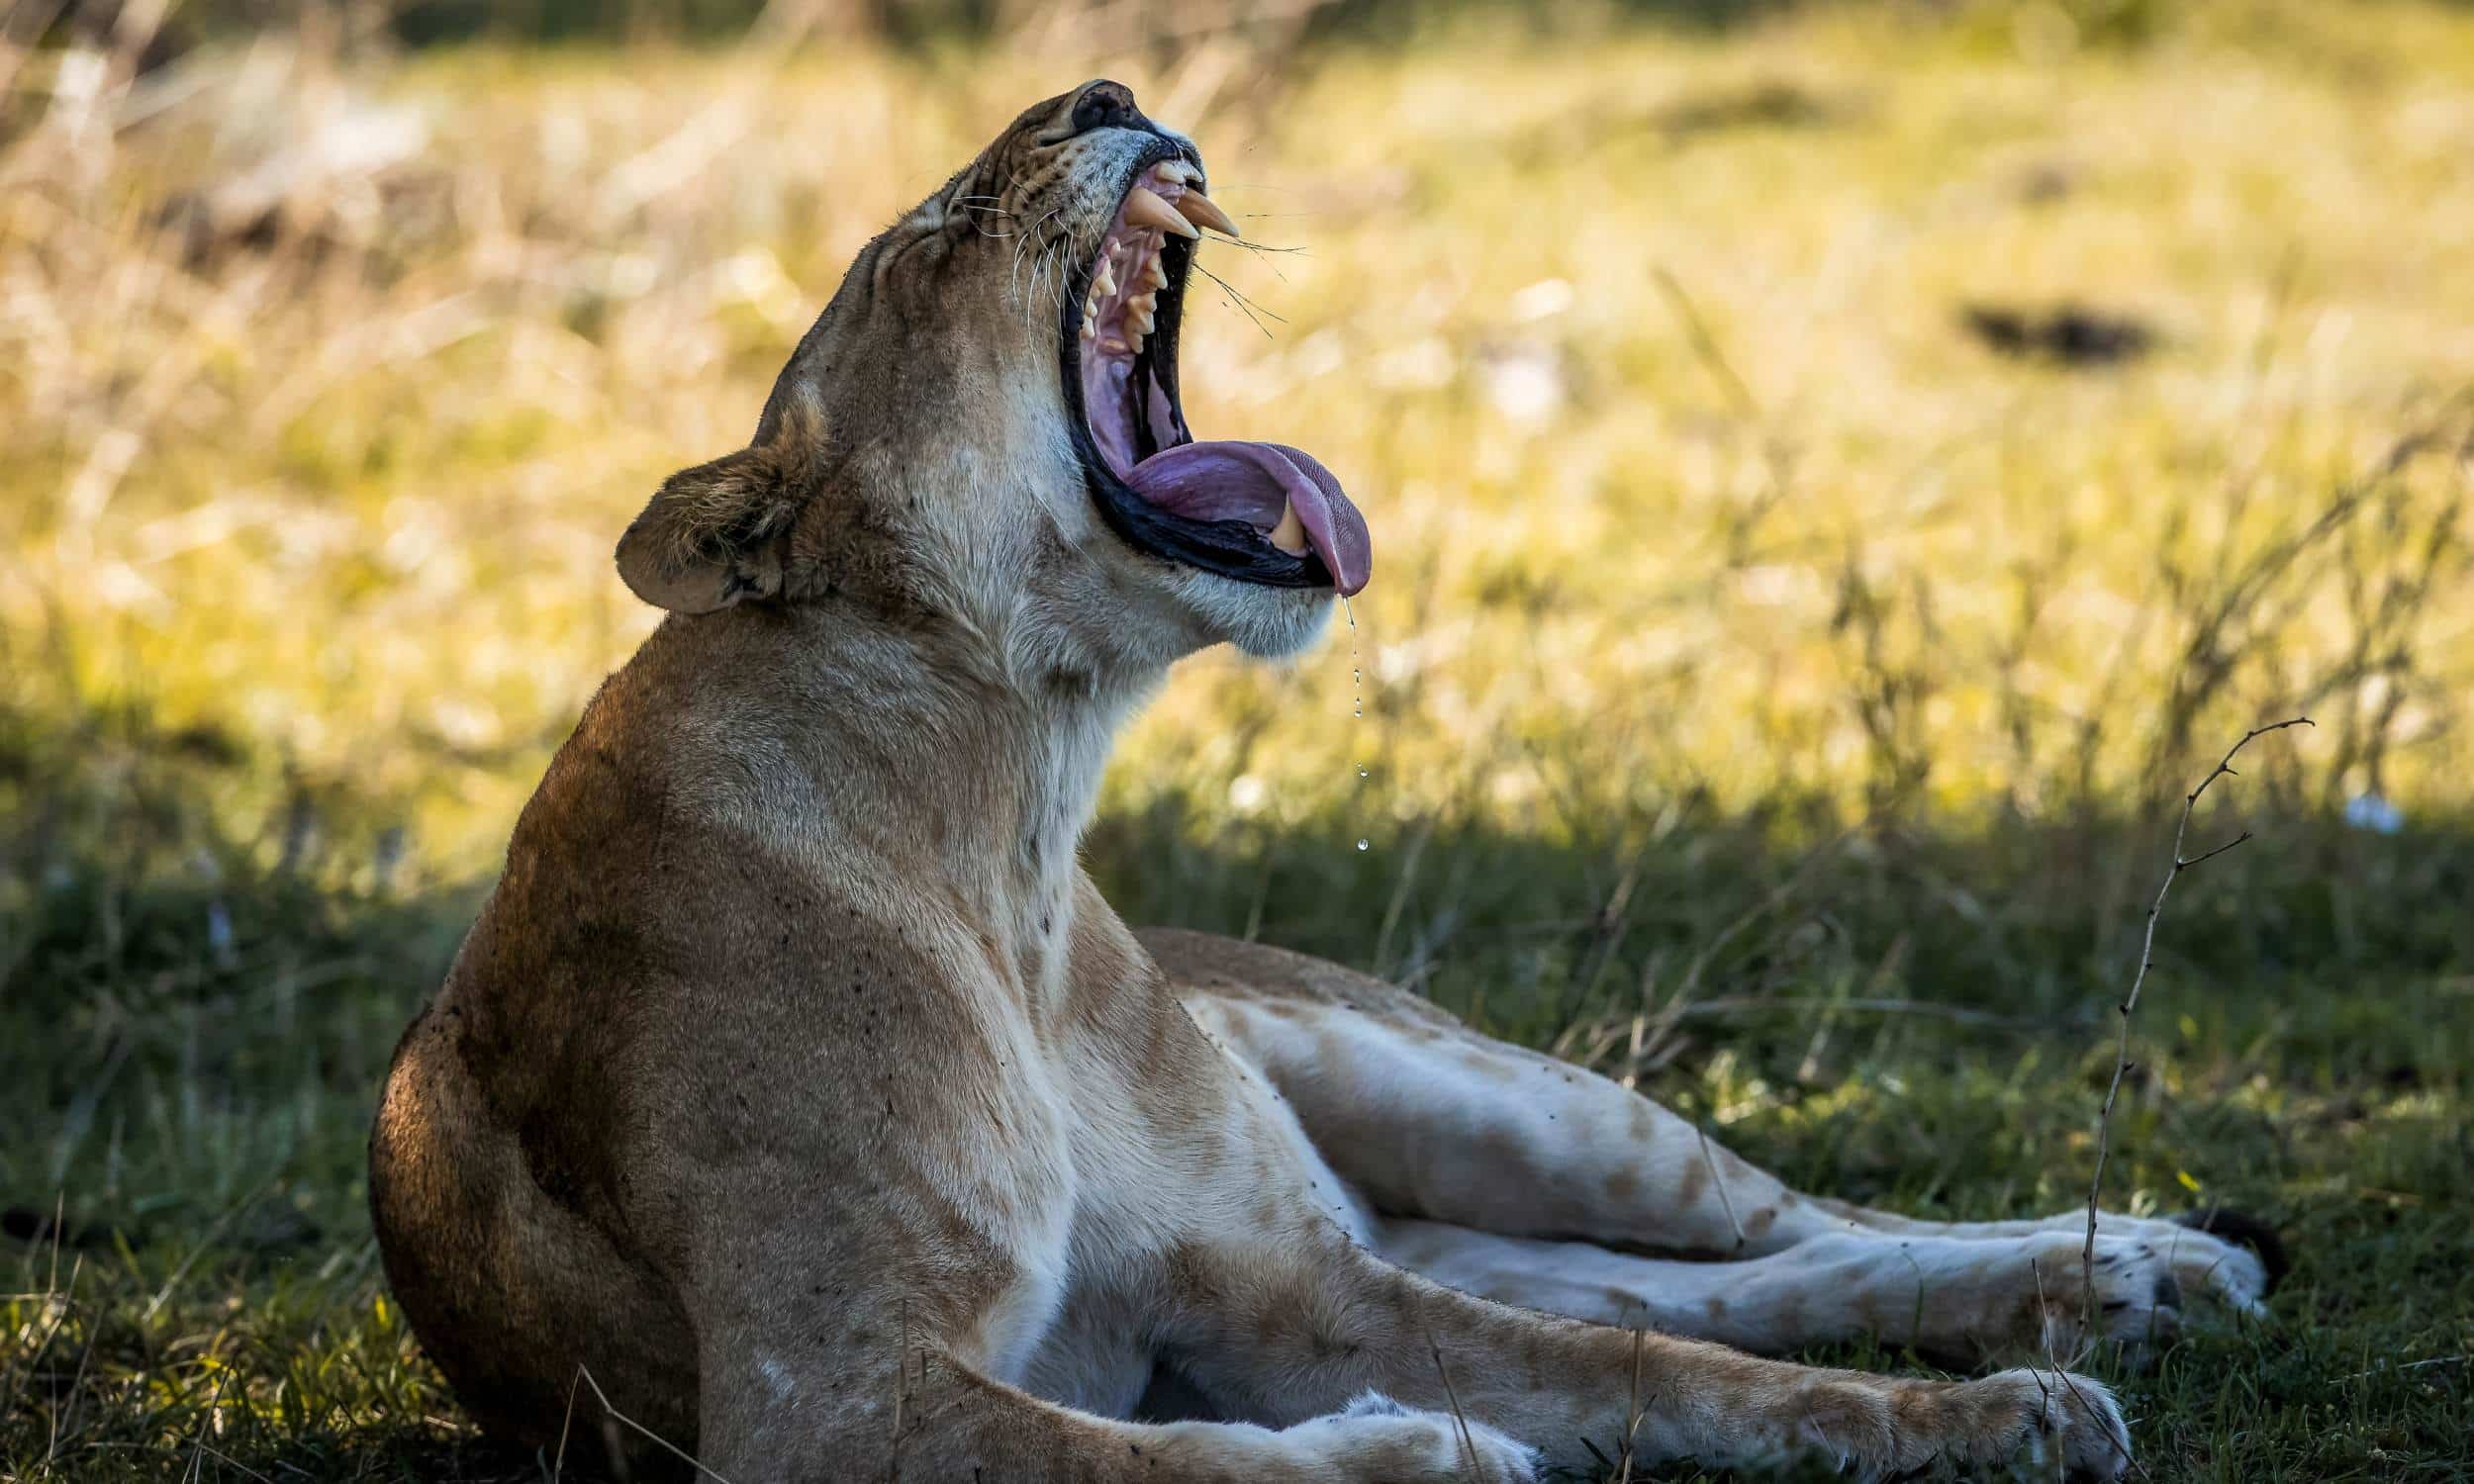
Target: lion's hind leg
column 1429, row 1120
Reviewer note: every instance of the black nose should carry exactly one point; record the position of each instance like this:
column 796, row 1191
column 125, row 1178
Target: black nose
column 1107, row 105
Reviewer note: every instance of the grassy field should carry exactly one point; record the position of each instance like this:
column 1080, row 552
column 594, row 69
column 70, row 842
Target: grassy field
column 1836, row 480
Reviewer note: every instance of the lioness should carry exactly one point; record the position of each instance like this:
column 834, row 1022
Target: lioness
column 797, row 1087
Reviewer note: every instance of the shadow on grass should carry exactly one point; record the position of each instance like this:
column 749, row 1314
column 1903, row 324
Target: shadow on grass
column 194, row 1017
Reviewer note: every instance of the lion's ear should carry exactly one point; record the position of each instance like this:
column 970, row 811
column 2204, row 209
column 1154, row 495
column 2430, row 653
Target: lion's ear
column 714, row 535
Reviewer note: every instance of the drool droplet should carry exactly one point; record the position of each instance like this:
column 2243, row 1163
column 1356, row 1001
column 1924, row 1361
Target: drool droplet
column 1361, row 842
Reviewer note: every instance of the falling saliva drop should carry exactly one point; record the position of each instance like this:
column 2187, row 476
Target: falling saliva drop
column 1357, row 685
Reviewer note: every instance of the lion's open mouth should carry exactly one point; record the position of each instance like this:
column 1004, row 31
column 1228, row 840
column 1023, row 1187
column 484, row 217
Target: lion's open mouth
column 1262, row 513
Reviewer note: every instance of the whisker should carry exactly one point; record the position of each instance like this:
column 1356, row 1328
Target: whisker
column 981, row 228
column 1241, row 293
column 1054, row 248
column 1259, row 248
column 1267, row 254
column 1239, row 301
column 1013, row 271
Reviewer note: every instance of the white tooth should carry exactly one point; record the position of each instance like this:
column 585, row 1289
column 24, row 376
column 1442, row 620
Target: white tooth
column 1090, row 303
column 1199, row 209
column 1152, row 275
column 1143, row 311
column 1289, row 534
column 1113, row 346
column 1089, row 329
column 1105, row 283
column 1143, row 208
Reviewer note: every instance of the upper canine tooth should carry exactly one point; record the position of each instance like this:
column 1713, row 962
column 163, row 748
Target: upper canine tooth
column 1144, row 209
column 1198, row 208
column 1289, row 534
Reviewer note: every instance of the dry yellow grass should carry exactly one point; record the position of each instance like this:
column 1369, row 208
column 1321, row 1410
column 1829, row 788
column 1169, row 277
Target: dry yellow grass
column 346, row 488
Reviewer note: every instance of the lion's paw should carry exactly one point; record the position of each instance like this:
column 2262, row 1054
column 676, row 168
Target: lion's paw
column 2047, row 1419
column 1375, row 1437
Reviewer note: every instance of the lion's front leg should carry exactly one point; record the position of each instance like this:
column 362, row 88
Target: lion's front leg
column 2006, row 1301
column 2233, row 1258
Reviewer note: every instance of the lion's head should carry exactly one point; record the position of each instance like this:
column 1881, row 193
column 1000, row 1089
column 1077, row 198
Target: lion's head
column 985, row 424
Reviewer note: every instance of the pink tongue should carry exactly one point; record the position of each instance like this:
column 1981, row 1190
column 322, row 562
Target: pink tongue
column 1237, row 480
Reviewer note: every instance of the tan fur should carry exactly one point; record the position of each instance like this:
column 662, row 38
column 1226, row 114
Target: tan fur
column 797, row 1086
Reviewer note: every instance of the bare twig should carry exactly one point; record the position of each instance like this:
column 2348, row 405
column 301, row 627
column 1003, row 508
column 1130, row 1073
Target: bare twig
column 902, row 1391
column 558, row 1460
column 1718, row 1183
column 1469, row 1442
column 220, row 1457
column 665, row 1444
column 2383, row 1368
column 2066, row 1378
column 1633, row 1409
column 2130, row 1001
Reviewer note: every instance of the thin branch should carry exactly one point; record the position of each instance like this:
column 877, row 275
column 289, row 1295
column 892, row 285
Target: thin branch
column 1718, row 1182
column 2045, row 1323
column 1633, row 1412
column 1469, row 1442
column 2138, row 979
column 664, row 1444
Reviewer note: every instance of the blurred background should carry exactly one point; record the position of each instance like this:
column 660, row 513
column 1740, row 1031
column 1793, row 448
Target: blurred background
column 1842, row 472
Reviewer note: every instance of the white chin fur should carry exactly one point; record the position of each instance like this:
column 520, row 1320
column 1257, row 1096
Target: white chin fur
column 1267, row 624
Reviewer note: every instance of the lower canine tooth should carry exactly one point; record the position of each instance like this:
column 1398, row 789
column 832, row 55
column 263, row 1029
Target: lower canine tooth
column 1289, row 534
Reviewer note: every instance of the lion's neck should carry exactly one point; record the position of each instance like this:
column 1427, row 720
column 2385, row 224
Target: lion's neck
column 875, row 750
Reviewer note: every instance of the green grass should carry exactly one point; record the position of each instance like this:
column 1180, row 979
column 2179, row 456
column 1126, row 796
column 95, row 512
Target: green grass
column 1913, row 1019
column 1768, row 690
